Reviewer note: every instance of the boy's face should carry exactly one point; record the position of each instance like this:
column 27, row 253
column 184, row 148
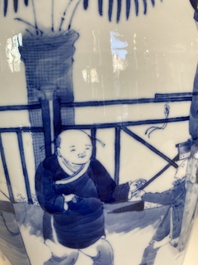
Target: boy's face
column 75, row 147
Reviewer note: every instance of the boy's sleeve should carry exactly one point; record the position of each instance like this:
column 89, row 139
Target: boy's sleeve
column 47, row 197
column 107, row 189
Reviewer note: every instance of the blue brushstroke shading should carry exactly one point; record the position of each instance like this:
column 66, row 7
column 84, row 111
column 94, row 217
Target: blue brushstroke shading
column 117, row 146
column 145, row 6
column 52, row 15
column 151, row 129
column 194, row 4
column 193, row 124
column 5, row 7
column 119, row 9
column 128, row 8
column 15, row 2
column 24, row 167
column 6, row 172
column 26, row 2
column 110, row 9
column 11, row 242
column 93, row 140
column 86, row 4
column 136, row 2
column 171, row 223
column 100, row 7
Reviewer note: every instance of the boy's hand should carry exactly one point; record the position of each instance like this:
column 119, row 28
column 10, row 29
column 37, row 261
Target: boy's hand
column 136, row 196
column 69, row 197
column 134, row 193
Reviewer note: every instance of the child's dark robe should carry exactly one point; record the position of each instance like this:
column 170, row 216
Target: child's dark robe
column 83, row 223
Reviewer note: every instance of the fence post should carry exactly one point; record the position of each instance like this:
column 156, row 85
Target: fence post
column 117, row 155
column 47, row 105
column 57, row 117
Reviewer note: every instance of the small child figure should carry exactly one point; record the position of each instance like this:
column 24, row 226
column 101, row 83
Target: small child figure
column 71, row 188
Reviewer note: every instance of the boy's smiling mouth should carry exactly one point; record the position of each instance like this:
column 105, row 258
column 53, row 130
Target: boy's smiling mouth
column 81, row 155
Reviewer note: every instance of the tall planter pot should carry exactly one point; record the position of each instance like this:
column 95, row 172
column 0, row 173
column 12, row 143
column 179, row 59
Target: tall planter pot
column 98, row 132
column 48, row 63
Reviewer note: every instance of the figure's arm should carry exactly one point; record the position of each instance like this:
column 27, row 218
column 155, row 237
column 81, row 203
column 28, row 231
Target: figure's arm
column 108, row 191
column 164, row 198
column 48, row 199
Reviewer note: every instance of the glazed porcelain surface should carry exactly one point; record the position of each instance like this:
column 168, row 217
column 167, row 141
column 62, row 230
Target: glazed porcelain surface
column 98, row 131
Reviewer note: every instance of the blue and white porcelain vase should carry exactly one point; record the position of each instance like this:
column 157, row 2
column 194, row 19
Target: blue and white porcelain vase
column 98, row 131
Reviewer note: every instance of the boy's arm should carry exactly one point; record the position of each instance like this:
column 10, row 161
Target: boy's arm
column 108, row 191
column 48, row 199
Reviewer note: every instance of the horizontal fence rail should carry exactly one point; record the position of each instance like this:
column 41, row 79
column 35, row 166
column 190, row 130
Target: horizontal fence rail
column 159, row 98
column 125, row 124
column 20, row 107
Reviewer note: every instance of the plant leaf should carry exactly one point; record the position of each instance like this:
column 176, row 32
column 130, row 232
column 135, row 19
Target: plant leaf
column 153, row 2
column 119, row 8
column 145, row 6
column 194, row 3
column 110, row 11
column 136, row 7
column 128, row 8
column 100, row 7
column 86, row 4
column 26, row 2
column 15, row 3
column 5, row 7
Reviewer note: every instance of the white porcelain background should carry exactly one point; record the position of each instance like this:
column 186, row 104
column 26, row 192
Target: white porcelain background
column 161, row 58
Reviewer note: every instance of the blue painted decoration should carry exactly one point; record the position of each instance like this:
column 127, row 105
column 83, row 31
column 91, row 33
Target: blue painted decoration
column 194, row 4
column 167, row 231
column 85, row 4
column 117, row 4
column 145, row 6
column 128, row 8
column 77, row 200
column 151, row 129
column 5, row 7
column 100, row 7
column 119, row 9
column 136, row 7
column 110, row 9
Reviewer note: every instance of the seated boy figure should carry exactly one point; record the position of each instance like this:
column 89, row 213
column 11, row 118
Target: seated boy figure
column 71, row 188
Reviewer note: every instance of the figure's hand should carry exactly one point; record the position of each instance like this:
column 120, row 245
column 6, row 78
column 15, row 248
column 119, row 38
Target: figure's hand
column 69, row 197
column 134, row 192
column 132, row 187
column 136, row 196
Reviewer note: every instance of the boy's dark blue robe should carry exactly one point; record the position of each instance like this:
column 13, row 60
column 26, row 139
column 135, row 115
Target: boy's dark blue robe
column 83, row 223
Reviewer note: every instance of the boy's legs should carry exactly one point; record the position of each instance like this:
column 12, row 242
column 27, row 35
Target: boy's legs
column 61, row 255
column 101, row 252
